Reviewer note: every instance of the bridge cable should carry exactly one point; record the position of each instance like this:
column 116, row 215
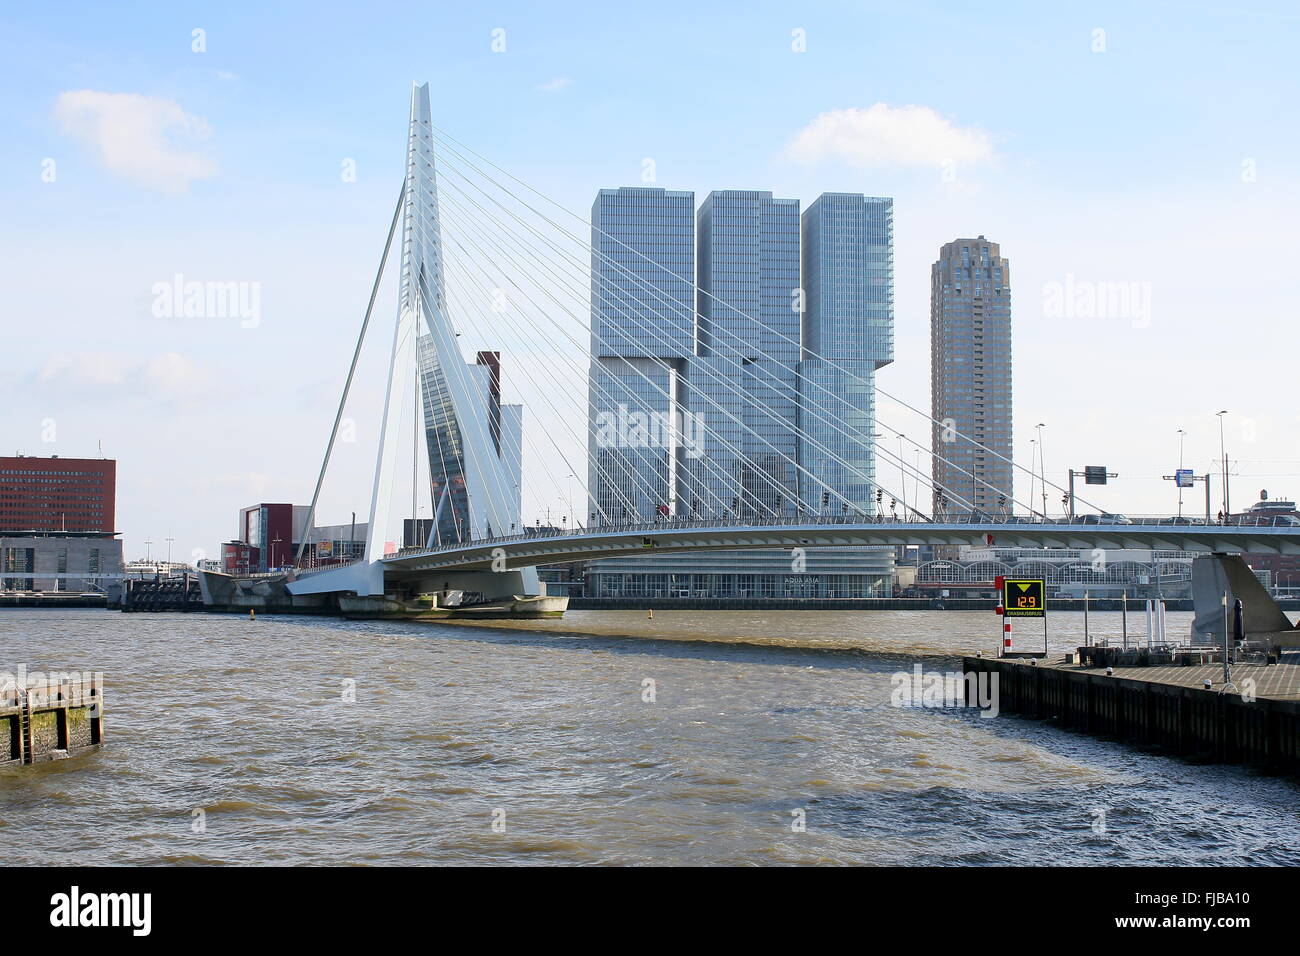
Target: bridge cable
column 782, row 491
column 443, row 134
column 347, row 383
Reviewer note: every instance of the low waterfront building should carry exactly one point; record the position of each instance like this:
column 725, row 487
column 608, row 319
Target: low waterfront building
column 239, row 558
column 271, row 529
column 564, row 580
column 59, row 561
column 1068, row 572
column 270, row 534
column 56, row 524
column 152, row 567
column 336, row 543
column 817, row 573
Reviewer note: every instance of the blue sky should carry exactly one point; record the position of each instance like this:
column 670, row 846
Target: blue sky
column 1167, row 158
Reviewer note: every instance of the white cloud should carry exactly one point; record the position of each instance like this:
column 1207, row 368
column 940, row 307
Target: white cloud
column 143, row 138
column 554, row 85
column 886, row 135
column 169, row 374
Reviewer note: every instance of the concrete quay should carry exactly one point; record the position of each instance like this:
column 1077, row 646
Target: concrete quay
column 1253, row 721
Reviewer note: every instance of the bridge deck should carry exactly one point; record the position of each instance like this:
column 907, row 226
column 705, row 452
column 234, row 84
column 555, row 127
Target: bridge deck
column 683, row 536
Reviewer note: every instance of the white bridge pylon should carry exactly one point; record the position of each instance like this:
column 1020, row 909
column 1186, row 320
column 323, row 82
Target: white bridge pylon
column 473, row 492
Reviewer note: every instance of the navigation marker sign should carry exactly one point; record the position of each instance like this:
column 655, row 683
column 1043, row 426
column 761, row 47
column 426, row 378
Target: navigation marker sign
column 1023, row 597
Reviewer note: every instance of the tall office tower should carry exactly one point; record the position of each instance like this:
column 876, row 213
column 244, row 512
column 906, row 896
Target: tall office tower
column 970, row 377
column 451, row 469
column 741, row 389
column 848, row 333
column 741, row 386
column 642, row 334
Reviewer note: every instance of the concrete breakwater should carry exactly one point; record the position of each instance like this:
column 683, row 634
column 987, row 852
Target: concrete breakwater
column 50, row 717
column 1254, row 720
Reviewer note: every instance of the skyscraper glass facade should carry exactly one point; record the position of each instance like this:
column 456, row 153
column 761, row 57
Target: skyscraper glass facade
column 643, row 273
column 642, row 334
column 848, row 333
column 446, row 450
column 742, row 385
column 727, row 370
column 970, row 377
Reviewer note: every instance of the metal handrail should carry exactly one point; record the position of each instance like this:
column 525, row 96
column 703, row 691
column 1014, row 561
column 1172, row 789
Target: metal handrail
column 1010, row 522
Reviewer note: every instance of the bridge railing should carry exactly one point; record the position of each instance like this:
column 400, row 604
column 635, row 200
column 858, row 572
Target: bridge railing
column 676, row 523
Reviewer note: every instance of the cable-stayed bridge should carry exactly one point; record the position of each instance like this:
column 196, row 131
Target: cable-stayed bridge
column 699, row 461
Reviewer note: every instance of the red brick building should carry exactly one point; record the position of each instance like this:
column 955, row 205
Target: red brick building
column 57, row 494
column 240, row 558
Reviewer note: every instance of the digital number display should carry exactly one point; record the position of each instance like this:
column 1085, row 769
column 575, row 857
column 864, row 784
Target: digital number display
column 1024, row 597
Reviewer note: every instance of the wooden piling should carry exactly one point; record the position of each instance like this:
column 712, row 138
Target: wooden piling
column 45, row 722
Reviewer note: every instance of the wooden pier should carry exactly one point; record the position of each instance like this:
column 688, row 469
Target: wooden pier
column 52, row 721
column 1254, row 721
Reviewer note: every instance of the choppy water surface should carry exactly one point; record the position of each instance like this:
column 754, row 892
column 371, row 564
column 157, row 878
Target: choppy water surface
column 543, row 726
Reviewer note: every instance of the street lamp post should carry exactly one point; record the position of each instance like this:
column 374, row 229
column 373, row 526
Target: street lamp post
column 1227, row 507
column 1033, row 474
column 1182, row 438
column 1042, row 464
column 902, row 475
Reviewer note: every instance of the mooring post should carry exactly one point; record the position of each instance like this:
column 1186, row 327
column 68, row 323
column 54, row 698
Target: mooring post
column 1227, row 673
column 1086, row 641
column 1123, row 608
column 96, row 713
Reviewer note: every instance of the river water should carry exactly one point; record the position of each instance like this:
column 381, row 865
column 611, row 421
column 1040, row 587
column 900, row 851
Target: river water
column 701, row 737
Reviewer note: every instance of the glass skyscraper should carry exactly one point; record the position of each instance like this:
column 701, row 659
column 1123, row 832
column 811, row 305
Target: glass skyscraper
column 642, row 333
column 449, row 466
column 970, row 377
column 848, row 333
column 727, row 370
column 643, row 273
column 742, row 385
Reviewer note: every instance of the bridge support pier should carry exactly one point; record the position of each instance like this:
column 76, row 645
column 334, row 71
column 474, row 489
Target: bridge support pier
column 373, row 591
column 493, row 585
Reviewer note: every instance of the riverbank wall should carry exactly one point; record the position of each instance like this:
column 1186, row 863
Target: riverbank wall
column 1254, row 720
